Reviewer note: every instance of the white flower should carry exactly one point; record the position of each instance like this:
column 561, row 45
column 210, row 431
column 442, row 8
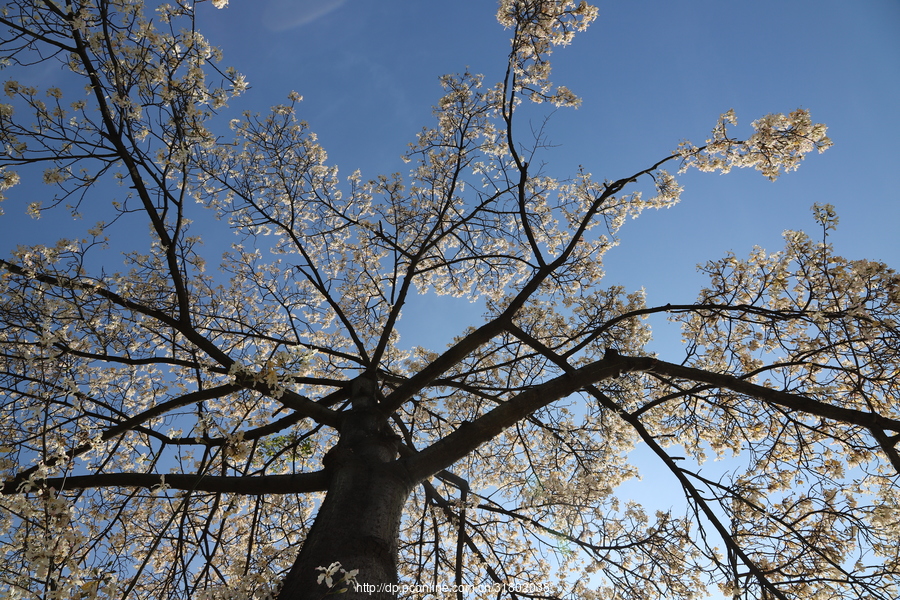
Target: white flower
column 53, row 175
column 328, row 574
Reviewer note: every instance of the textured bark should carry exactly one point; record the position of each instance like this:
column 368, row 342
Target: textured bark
column 358, row 523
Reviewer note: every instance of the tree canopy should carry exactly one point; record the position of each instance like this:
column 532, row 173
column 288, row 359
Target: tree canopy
column 179, row 425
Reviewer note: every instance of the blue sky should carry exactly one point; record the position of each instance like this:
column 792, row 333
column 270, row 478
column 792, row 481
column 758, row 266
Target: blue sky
column 650, row 74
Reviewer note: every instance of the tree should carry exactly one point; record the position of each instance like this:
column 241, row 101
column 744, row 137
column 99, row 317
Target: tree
column 171, row 432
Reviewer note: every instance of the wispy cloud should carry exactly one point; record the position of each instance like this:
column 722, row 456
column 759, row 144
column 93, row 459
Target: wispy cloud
column 281, row 15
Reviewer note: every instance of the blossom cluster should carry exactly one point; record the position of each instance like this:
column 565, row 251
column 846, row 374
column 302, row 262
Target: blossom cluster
column 779, row 144
column 538, row 26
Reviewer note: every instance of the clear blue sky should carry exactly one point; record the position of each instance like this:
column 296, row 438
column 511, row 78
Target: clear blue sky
column 650, row 74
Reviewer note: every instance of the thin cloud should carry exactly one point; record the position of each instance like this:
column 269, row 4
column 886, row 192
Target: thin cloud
column 281, row 15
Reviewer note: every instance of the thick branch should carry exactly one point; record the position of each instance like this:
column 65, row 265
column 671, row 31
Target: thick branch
column 647, row 364
column 250, row 486
column 798, row 402
column 72, row 283
column 131, row 424
column 469, row 436
column 875, row 423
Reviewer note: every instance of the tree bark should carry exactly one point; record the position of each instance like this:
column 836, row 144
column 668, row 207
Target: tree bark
column 358, row 523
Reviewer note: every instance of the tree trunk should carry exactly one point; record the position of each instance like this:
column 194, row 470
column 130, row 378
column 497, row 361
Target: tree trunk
column 358, row 523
